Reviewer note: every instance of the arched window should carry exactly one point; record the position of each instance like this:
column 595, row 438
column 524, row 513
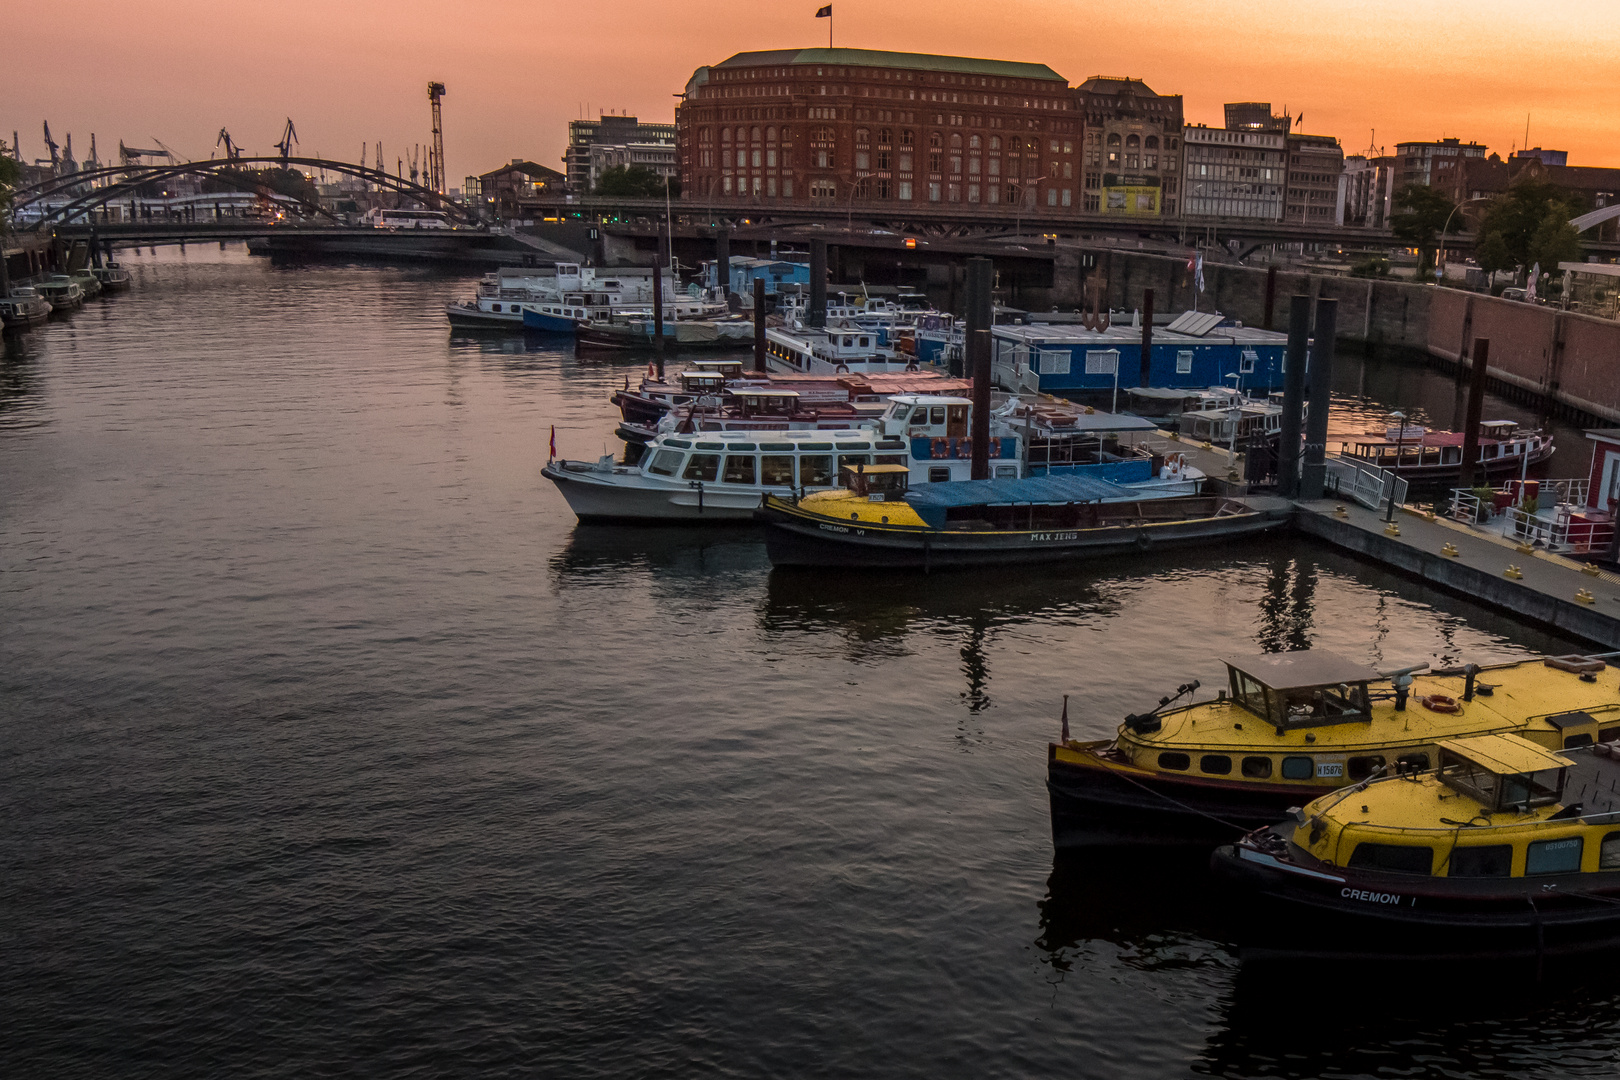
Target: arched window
column 935, row 140
column 770, row 134
column 973, row 142
column 725, row 134
column 956, row 142
column 1113, row 139
column 1132, row 142
column 907, row 138
column 705, row 135
column 1152, row 142
column 756, row 133
column 995, row 142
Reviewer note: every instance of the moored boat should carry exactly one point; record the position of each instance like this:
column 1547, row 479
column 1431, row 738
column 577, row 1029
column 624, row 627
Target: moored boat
column 1288, row 727
column 113, row 278
column 1421, row 456
column 24, row 307
column 1506, row 848
column 63, row 293
column 1001, row 522
column 87, row 282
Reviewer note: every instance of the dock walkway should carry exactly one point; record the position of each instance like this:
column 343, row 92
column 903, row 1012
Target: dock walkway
column 1549, row 589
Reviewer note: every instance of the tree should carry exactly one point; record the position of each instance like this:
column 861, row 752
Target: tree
column 1554, row 241
column 1494, row 255
column 1425, row 213
column 10, row 177
column 635, row 182
column 1514, row 216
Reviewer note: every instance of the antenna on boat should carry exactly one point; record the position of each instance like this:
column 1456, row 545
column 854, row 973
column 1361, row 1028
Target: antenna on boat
column 1065, row 717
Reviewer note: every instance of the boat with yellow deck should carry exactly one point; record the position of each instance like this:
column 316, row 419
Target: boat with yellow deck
column 1289, row 727
column 875, row 520
column 1506, row 847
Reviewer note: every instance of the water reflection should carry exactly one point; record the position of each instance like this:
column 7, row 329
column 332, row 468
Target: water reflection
column 20, row 391
column 1156, row 910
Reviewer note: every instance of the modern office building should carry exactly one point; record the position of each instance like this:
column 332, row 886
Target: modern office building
column 1132, row 139
column 1233, row 173
column 594, row 146
column 1434, row 164
column 846, row 126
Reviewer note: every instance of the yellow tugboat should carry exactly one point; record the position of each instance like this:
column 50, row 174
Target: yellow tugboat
column 1290, row 727
column 1506, row 848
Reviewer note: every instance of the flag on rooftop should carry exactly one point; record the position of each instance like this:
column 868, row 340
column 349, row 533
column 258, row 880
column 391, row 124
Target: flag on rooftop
column 825, row 13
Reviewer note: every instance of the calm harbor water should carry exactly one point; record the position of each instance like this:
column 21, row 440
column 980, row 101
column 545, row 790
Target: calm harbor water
column 329, row 744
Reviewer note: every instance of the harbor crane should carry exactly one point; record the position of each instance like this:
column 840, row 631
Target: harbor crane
column 50, row 144
column 289, row 137
column 232, row 151
column 416, row 150
column 436, row 152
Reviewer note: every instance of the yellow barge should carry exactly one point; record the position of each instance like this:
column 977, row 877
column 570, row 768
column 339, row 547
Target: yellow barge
column 1289, row 727
column 1505, row 848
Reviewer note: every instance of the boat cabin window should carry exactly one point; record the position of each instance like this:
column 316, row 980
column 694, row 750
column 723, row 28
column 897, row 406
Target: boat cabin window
column 815, row 470
column 1609, row 853
column 1393, row 858
column 937, row 414
column 1172, row 760
column 1257, row 768
column 776, row 470
column 703, row 467
column 665, row 462
column 939, row 474
column 739, row 469
column 1219, row 764
column 1561, row 856
column 1362, row 767
column 849, row 461
column 1298, row 767
column 1501, row 792
column 1487, row 860
column 1300, row 706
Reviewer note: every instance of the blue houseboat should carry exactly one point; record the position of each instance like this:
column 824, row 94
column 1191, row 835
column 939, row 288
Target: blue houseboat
column 1198, row 349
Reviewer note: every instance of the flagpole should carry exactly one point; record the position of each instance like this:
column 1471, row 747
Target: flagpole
column 829, row 31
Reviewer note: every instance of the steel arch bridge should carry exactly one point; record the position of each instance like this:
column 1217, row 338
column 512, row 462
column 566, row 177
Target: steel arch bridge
column 123, row 181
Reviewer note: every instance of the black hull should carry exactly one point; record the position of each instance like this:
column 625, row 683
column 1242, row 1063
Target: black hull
column 1351, row 913
column 795, row 541
column 1095, row 807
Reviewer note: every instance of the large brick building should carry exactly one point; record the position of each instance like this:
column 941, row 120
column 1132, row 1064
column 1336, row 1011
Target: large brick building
column 838, row 126
column 1132, row 147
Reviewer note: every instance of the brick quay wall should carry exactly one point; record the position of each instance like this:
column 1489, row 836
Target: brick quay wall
column 1569, row 361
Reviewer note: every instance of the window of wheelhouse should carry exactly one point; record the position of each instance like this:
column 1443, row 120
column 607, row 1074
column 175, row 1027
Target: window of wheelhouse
column 1250, row 693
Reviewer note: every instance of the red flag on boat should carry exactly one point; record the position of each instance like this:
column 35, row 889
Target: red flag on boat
column 553, row 442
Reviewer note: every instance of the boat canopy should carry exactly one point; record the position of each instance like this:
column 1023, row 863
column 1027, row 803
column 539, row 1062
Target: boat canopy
column 1505, row 755
column 1056, row 490
column 1302, row 689
column 1302, row 670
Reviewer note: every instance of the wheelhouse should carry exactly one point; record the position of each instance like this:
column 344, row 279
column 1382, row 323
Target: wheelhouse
column 1302, row 689
column 1504, row 773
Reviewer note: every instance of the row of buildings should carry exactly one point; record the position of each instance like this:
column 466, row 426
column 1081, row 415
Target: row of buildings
column 856, row 126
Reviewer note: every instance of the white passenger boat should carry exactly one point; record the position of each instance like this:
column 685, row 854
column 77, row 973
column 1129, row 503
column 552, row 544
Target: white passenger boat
column 835, row 350
column 503, row 295
column 724, row 475
column 113, row 278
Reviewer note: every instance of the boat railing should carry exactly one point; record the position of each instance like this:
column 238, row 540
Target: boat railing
column 1365, row 484
column 1469, row 505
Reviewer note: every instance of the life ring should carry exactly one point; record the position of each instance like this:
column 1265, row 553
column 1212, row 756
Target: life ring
column 1440, row 703
column 939, row 448
column 964, row 448
column 841, row 369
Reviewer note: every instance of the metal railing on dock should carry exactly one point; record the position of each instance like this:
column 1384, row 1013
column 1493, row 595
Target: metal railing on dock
column 1365, row 484
column 1558, row 521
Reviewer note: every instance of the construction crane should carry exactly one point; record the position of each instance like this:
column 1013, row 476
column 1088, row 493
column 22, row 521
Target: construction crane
column 50, row 143
column 232, row 151
column 436, row 152
column 289, row 136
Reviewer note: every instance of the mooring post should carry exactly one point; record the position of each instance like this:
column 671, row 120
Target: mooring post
column 1313, row 473
column 1145, row 375
column 722, row 262
column 759, row 324
column 1271, row 296
column 658, row 313
column 818, row 283
column 1293, row 414
column 979, row 316
column 1479, row 374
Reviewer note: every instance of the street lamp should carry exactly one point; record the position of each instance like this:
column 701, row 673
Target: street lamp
column 1440, row 257
column 1400, row 444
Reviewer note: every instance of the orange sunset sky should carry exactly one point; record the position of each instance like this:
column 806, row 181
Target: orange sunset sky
column 349, row 71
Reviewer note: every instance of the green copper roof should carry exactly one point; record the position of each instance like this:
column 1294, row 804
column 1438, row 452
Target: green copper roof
column 960, row 65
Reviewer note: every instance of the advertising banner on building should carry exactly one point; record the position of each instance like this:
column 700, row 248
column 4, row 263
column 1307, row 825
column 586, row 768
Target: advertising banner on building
column 1134, row 201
